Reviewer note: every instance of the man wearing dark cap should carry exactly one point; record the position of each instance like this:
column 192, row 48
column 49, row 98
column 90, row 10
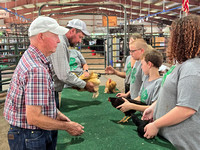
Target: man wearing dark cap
column 60, row 59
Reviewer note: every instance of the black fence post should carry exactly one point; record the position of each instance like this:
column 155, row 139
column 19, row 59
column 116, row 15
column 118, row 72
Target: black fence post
column 0, row 81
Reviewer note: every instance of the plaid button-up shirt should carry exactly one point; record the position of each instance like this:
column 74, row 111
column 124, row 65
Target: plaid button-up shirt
column 31, row 84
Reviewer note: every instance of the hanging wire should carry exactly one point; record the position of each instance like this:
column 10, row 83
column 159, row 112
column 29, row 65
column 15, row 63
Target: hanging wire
column 140, row 7
column 140, row 10
column 16, row 11
column 33, row 10
column 120, row 14
column 126, row 7
column 131, row 12
column 163, row 5
column 180, row 14
column 148, row 11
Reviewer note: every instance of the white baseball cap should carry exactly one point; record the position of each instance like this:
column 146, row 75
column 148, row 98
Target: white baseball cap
column 78, row 24
column 44, row 24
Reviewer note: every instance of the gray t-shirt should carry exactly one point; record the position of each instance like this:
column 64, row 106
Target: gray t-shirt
column 127, row 69
column 149, row 90
column 181, row 88
column 76, row 62
column 136, row 79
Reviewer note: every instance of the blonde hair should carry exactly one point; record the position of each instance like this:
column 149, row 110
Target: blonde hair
column 135, row 36
column 150, row 47
column 140, row 44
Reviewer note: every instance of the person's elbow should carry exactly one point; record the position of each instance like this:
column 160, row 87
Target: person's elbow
column 188, row 112
column 32, row 114
column 191, row 112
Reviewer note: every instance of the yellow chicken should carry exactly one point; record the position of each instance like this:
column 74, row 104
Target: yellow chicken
column 94, row 78
column 110, row 86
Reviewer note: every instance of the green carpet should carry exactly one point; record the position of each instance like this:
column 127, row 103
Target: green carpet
column 102, row 132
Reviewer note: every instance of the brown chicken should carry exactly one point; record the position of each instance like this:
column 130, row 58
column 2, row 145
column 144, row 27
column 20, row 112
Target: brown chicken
column 110, row 86
column 94, row 78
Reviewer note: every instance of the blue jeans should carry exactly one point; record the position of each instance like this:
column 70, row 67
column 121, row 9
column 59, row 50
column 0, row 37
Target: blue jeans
column 27, row 139
column 57, row 99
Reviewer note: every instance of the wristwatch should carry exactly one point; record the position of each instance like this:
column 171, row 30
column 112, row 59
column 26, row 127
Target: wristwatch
column 86, row 71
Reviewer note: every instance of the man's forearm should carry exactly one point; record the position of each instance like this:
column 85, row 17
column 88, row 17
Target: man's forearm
column 36, row 118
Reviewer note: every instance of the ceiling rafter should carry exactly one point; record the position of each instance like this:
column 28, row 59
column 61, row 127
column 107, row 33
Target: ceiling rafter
column 132, row 8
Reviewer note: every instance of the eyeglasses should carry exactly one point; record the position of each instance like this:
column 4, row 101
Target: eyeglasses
column 132, row 51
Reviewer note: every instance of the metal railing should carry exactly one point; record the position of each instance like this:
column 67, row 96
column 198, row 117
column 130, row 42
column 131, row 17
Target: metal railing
column 8, row 62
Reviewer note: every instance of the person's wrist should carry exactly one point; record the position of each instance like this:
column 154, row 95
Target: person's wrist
column 85, row 70
column 114, row 71
column 155, row 125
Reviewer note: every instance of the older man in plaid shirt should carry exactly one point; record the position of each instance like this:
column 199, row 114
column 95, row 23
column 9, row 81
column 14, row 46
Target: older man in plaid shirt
column 30, row 105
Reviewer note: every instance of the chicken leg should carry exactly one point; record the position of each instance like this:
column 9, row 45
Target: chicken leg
column 125, row 119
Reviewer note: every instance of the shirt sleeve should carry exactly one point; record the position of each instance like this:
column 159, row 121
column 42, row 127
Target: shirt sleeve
column 156, row 90
column 60, row 61
column 126, row 63
column 39, row 87
column 188, row 92
column 82, row 59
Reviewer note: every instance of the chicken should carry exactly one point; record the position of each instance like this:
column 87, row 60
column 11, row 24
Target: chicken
column 140, row 124
column 110, row 86
column 94, row 78
column 116, row 101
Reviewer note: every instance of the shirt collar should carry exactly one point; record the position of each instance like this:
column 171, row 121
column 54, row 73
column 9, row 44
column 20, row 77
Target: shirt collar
column 40, row 54
column 66, row 40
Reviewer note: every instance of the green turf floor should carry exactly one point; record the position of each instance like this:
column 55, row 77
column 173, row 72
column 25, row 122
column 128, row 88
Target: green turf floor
column 102, row 132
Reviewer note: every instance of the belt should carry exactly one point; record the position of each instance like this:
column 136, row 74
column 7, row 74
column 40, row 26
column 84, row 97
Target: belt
column 18, row 128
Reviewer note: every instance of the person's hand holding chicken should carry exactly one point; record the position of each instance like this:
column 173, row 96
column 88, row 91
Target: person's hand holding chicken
column 122, row 95
column 126, row 106
column 93, row 78
column 86, row 74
